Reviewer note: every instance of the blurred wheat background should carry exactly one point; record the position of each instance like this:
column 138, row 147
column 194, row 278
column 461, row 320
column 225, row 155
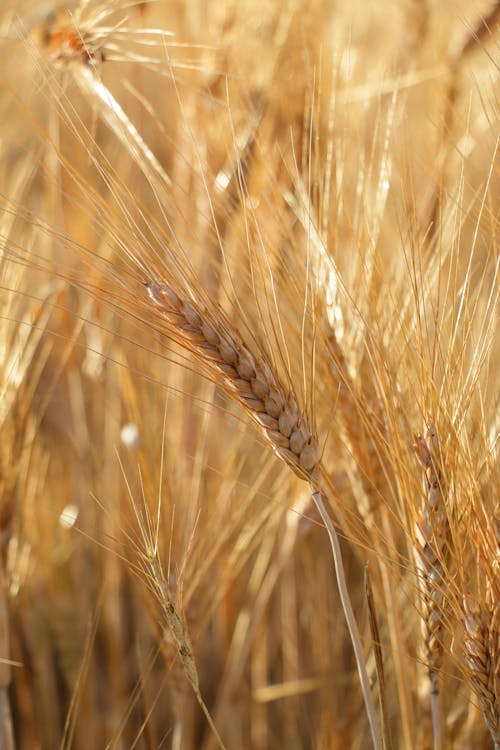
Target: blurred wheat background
column 249, row 286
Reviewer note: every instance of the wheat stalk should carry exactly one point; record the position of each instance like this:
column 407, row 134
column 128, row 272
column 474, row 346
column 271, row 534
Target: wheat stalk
column 275, row 409
column 150, row 568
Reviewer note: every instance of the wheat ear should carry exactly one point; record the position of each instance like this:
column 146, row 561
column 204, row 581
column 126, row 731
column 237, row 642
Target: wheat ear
column 432, row 532
column 180, row 636
column 248, row 379
column 251, row 381
column 150, row 569
column 482, row 656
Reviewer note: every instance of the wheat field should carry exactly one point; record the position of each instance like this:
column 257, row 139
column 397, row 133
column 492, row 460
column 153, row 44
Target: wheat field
column 249, row 375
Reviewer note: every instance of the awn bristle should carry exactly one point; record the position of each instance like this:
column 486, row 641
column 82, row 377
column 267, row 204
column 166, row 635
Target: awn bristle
column 247, row 378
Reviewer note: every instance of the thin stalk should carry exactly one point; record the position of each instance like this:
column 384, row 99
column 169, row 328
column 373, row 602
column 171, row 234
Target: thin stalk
column 436, row 714
column 351, row 621
column 379, row 662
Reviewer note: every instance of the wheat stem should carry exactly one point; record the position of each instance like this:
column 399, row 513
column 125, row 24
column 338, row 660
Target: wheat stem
column 252, row 382
column 379, row 662
column 350, row 619
column 6, row 724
